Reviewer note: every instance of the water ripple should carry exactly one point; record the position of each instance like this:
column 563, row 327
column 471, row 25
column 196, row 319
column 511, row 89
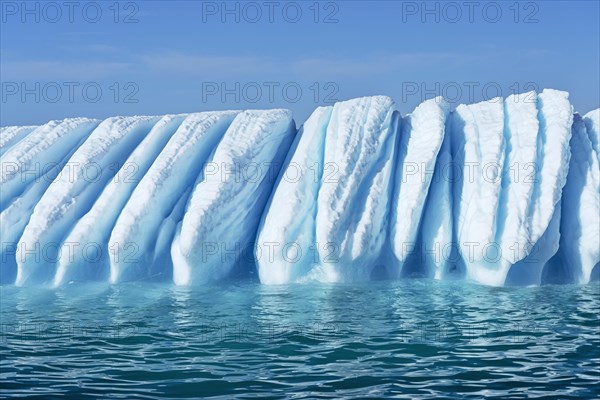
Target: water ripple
column 410, row 339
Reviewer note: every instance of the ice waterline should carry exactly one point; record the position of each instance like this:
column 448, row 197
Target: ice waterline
column 502, row 192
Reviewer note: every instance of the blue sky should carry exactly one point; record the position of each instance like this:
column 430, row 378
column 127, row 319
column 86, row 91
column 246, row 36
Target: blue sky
column 155, row 57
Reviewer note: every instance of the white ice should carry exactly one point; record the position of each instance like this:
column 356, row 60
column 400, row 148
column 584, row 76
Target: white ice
column 355, row 193
column 93, row 230
column 219, row 227
column 421, row 138
column 74, row 192
column 519, row 174
column 285, row 244
column 478, row 153
column 579, row 251
column 11, row 135
column 28, row 168
column 503, row 192
column 436, row 254
column 555, row 115
column 39, row 153
column 140, row 241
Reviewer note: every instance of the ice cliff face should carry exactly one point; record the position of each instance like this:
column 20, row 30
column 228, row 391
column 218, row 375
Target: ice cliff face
column 28, row 169
column 328, row 218
column 503, row 192
column 219, row 225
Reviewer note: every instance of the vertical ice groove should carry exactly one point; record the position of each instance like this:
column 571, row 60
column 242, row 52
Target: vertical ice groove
column 351, row 210
column 579, row 250
column 221, row 220
column 34, row 163
column 95, row 227
column 11, row 135
column 421, row 138
column 74, row 192
column 556, row 119
column 435, row 233
column 529, row 270
column 295, row 195
column 371, row 227
column 555, row 115
column 592, row 124
column 479, row 156
column 521, row 132
column 147, row 215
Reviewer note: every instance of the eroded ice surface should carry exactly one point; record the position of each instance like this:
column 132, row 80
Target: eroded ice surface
column 219, row 226
column 74, row 192
column 555, row 115
column 478, row 153
column 28, row 169
column 140, row 240
column 503, row 192
column 285, row 243
column 10, row 135
column 518, row 176
column 94, row 228
column 346, row 200
column 421, row 138
column 579, row 251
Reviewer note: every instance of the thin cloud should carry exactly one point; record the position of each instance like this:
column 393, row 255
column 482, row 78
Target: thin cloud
column 67, row 70
column 209, row 65
column 169, row 63
column 184, row 63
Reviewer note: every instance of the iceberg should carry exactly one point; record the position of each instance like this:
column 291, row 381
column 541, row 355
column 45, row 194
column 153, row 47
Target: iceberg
column 502, row 192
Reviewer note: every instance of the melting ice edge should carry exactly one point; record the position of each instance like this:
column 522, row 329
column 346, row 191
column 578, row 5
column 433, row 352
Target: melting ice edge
column 502, row 192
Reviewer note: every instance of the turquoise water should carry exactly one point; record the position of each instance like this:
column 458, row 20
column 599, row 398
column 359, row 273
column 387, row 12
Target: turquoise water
column 409, row 339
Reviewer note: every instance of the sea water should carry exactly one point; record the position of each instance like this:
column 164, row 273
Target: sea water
column 407, row 339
